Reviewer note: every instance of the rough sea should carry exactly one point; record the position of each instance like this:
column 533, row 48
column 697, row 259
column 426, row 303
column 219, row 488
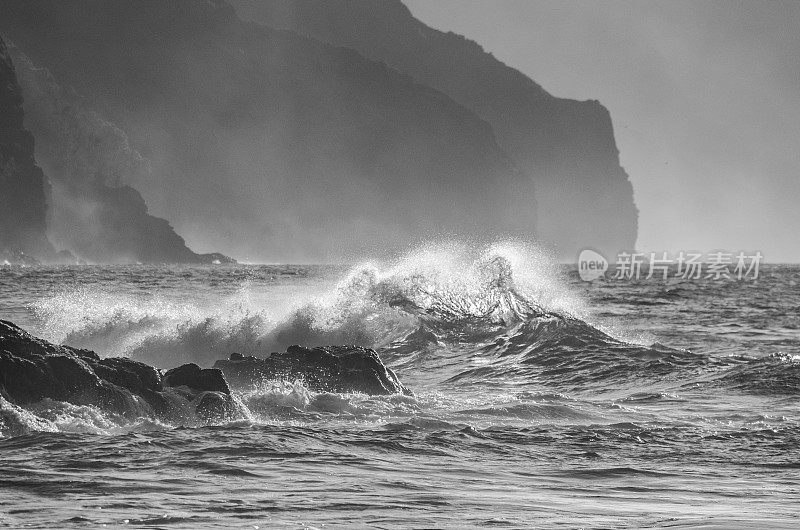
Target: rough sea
column 540, row 400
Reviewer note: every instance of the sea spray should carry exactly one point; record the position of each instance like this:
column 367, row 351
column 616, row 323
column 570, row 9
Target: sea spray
column 371, row 305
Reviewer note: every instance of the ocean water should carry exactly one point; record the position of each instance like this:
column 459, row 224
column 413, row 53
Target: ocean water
column 540, row 400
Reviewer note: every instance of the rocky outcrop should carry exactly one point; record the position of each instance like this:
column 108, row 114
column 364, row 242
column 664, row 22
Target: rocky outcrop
column 32, row 369
column 269, row 145
column 23, row 210
column 192, row 376
column 326, row 369
column 214, row 400
column 584, row 197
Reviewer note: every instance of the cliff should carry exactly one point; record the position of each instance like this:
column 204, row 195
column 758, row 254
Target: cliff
column 93, row 212
column 23, row 210
column 585, row 198
column 269, row 145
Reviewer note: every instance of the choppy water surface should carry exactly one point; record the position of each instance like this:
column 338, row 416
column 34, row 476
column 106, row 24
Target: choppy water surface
column 540, row 400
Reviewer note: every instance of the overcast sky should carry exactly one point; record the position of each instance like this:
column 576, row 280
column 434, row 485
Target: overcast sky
column 704, row 95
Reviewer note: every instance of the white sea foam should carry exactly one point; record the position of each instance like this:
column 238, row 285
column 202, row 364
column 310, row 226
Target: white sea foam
column 371, row 305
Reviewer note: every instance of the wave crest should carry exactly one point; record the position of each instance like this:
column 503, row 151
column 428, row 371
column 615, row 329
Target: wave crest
column 373, row 305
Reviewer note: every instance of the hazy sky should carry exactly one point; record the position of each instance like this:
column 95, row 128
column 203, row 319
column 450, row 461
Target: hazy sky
column 704, row 95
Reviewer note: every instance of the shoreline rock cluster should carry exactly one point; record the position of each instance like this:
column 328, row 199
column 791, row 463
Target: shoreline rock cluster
column 322, row 369
column 32, row 370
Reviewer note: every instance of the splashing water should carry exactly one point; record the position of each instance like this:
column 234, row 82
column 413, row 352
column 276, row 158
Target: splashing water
column 374, row 304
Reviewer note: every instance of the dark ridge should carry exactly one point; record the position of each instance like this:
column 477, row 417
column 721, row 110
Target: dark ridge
column 23, row 210
column 269, row 145
column 91, row 211
column 567, row 147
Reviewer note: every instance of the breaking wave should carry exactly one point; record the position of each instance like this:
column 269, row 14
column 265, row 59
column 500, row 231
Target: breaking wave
column 449, row 313
column 445, row 316
column 373, row 305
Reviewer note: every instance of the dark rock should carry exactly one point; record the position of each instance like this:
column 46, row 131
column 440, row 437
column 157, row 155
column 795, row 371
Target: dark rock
column 130, row 374
column 197, row 378
column 32, row 369
column 323, row 369
column 214, row 406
